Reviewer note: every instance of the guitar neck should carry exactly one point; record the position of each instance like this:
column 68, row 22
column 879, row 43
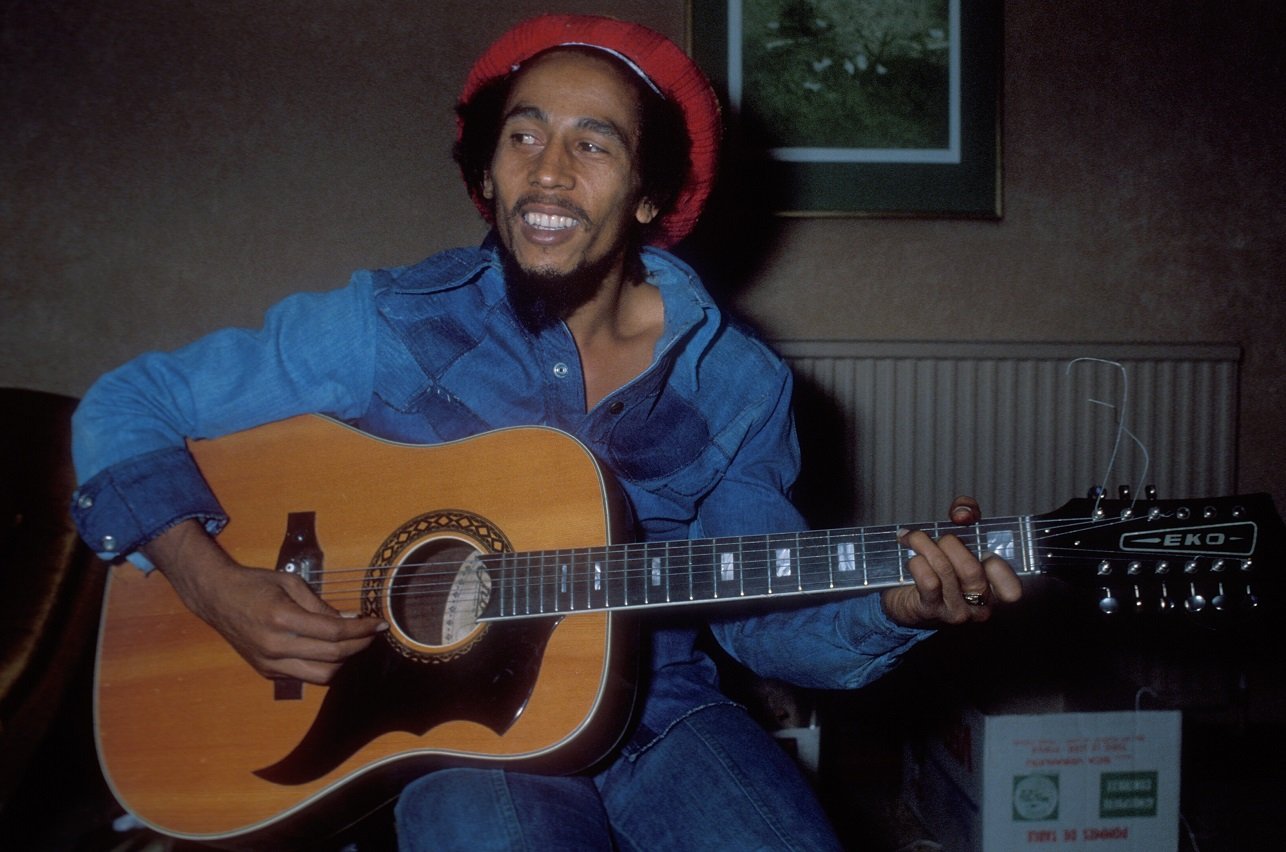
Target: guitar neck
column 736, row 568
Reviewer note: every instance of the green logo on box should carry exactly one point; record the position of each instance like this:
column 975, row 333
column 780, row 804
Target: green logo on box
column 1127, row 794
column 1035, row 797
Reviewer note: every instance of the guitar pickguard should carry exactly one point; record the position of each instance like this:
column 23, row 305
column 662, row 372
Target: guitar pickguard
column 436, row 663
column 381, row 690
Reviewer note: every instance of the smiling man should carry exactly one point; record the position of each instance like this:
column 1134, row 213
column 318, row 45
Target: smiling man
column 590, row 145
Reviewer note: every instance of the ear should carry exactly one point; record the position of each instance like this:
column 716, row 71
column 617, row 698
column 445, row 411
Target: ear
column 645, row 212
column 488, row 189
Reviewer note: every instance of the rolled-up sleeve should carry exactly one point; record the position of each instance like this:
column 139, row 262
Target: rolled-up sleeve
column 314, row 353
column 128, row 504
column 842, row 644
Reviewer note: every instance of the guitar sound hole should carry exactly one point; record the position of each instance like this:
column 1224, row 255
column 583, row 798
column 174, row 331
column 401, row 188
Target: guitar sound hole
column 437, row 593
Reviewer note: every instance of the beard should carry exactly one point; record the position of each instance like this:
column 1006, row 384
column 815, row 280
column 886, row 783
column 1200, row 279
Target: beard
column 542, row 298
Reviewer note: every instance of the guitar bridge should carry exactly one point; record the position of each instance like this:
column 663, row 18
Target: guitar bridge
column 301, row 555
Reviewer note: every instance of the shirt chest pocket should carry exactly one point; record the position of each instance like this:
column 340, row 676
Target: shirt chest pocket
column 666, row 447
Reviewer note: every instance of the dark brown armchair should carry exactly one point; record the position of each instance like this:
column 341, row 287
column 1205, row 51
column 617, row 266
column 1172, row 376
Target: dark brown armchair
column 51, row 589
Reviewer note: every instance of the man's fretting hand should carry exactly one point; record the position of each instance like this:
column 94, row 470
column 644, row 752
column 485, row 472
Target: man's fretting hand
column 952, row 585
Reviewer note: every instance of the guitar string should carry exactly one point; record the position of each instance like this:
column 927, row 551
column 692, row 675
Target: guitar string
column 634, row 551
column 1122, row 431
column 623, row 563
column 575, row 595
column 579, row 603
column 441, row 574
column 701, row 582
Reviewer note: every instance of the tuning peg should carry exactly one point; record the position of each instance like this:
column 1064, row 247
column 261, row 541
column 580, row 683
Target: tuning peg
column 1220, row 600
column 1108, row 604
column 1250, row 600
column 1195, row 601
column 1124, row 491
column 1166, row 603
column 1150, row 492
column 1138, row 600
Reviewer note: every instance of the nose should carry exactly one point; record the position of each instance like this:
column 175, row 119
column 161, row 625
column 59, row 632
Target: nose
column 552, row 169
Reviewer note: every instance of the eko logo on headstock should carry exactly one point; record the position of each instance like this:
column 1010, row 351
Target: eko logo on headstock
column 1228, row 539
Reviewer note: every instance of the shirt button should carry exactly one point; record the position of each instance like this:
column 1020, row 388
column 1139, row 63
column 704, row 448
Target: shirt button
column 561, row 370
column 109, row 543
column 616, row 407
column 84, row 501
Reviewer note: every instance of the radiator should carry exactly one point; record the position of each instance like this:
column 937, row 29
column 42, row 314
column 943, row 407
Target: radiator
column 892, row 431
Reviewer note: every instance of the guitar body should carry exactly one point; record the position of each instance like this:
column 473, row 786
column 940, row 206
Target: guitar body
column 198, row 745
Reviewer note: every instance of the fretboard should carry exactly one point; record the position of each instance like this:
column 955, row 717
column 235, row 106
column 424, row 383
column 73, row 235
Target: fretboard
column 736, row 568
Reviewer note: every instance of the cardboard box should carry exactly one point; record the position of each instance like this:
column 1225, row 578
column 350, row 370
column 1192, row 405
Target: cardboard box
column 1056, row 781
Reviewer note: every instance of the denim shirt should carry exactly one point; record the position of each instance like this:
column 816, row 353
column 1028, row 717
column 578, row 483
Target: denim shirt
column 702, row 443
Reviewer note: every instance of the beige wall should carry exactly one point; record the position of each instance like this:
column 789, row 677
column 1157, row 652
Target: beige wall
column 170, row 168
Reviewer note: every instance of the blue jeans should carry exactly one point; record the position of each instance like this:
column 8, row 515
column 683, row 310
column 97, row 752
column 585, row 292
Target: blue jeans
column 715, row 781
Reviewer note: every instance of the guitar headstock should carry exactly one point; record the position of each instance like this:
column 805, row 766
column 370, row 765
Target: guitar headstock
column 1198, row 555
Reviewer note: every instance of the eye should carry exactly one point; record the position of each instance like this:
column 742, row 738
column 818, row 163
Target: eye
column 522, row 137
column 589, row 146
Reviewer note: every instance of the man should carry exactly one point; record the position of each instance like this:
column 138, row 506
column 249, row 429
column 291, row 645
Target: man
column 587, row 143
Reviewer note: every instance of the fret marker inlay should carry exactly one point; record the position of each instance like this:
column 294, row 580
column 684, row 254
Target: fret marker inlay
column 727, row 567
column 1001, row 543
column 783, row 562
column 846, row 556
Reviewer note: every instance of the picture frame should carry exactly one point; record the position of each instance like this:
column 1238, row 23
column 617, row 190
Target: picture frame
column 877, row 108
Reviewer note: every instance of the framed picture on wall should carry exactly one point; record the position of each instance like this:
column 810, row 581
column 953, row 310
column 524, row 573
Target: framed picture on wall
column 861, row 107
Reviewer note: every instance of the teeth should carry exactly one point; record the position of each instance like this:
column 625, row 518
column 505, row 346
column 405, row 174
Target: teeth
column 547, row 222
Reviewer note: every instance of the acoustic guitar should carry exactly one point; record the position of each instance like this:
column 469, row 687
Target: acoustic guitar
column 493, row 561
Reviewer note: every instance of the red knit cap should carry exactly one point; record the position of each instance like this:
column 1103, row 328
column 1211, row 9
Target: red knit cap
column 660, row 62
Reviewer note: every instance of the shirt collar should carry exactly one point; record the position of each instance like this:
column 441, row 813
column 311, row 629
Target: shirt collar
column 690, row 312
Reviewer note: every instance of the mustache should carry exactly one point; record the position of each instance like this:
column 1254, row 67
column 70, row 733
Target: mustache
column 573, row 210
